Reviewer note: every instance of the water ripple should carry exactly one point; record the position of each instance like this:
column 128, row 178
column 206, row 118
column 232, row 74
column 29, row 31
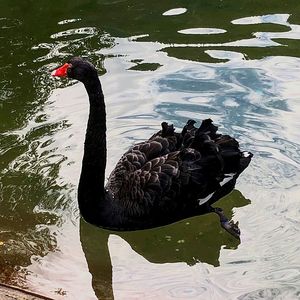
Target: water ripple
column 75, row 31
column 281, row 19
column 202, row 31
column 271, row 293
column 175, row 12
column 67, row 21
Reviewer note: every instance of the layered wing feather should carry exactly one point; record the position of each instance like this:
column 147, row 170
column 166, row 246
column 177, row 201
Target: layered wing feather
column 171, row 171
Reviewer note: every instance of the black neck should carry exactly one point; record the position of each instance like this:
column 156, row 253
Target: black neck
column 91, row 185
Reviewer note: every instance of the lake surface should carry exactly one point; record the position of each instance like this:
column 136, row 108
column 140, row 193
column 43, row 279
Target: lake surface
column 236, row 62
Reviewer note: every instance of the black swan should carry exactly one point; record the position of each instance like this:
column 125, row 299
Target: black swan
column 169, row 177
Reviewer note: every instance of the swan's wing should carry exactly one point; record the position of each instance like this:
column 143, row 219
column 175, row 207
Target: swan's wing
column 158, row 183
column 149, row 176
column 169, row 183
column 135, row 159
column 163, row 142
column 168, row 134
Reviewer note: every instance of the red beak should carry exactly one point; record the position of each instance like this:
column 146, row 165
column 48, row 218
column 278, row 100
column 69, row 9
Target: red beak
column 61, row 71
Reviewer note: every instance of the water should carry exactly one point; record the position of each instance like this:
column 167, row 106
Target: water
column 169, row 60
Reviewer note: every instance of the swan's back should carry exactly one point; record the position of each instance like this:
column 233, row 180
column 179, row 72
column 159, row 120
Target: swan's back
column 174, row 175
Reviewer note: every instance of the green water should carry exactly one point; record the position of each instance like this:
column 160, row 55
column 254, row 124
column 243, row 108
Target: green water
column 234, row 61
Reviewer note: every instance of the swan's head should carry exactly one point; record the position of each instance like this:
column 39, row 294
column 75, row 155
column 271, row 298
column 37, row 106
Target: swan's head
column 77, row 68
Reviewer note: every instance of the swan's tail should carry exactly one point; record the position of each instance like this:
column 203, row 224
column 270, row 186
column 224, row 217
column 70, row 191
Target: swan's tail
column 215, row 149
column 208, row 141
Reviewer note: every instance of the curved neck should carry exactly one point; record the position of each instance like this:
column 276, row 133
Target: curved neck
column 91, row 184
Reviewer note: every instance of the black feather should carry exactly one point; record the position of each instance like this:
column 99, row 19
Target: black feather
column 158, row 181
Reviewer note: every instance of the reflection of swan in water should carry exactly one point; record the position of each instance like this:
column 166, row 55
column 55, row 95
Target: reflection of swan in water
column 176, row 243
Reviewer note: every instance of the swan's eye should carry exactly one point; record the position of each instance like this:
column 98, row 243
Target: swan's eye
column 69, row 70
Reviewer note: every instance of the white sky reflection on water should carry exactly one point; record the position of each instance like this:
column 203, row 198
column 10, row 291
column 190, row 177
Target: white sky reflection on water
column 202, row 31
column 175, row 11
column 281, row 19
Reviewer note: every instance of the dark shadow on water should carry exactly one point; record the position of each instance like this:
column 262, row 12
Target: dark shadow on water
column 193, row 240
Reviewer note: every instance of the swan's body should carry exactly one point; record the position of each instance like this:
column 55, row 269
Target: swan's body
column 167, row 178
